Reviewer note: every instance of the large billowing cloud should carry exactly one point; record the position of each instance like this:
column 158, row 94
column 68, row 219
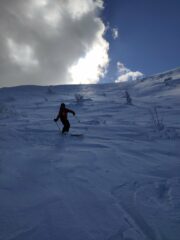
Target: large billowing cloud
column 51, row 42
column 126, row 74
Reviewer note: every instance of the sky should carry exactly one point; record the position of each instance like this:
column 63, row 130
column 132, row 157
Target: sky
column 50, row 42
column 148, row 34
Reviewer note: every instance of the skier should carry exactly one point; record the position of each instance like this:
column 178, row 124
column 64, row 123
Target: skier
column 62, row 115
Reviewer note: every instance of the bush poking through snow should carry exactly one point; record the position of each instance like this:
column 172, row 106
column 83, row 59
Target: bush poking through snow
column 160, row 130
column 50, row 90
column 157, row 123
column 128, row 98
column 167, row 81
column 3, row 109
column 6, row 112
column 78, row 97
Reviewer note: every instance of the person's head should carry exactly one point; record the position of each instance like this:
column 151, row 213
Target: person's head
column 63, row 105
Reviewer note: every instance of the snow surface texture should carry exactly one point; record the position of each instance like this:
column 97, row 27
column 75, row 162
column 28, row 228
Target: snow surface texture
column 121, row 180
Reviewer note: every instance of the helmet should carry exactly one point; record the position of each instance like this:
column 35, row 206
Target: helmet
column 63, row 105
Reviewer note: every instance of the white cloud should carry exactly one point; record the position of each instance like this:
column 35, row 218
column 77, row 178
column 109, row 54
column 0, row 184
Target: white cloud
column 79, row 8
column 49, row 38
column 93, row 66
column 40, row 3
column 115, row 33
column 22, row 55
column 126, row 74
column 48, row 12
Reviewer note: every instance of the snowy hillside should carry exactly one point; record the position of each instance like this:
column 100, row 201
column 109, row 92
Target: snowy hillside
column 119, row 181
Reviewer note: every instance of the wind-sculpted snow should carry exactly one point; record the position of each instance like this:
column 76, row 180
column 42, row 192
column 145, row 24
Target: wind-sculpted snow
column 120, row 181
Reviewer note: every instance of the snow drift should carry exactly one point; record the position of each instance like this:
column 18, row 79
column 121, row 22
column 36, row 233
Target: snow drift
column 121, row 180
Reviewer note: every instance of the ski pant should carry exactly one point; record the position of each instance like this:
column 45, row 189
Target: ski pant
column 66, row 125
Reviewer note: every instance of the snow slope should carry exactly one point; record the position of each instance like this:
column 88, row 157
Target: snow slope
column 121, row 180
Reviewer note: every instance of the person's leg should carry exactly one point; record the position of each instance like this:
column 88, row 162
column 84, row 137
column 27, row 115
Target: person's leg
column 64, row 130
column 66, row 126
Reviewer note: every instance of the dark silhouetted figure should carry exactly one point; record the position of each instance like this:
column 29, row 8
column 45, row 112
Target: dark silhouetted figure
column 62, row 115
column 128, row 98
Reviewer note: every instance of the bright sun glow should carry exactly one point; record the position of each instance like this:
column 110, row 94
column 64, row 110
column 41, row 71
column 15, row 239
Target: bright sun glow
column 90, row 68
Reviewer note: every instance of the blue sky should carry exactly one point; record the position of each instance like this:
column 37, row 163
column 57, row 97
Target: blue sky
column 149, row 34
column 52, row 42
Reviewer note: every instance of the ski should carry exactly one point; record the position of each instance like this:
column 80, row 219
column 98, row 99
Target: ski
column 77, row 135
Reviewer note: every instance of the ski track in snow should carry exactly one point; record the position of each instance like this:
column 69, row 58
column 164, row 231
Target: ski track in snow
column 120, row 181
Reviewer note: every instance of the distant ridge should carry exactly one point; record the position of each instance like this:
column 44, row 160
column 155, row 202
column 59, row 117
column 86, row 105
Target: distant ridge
column 175, row 73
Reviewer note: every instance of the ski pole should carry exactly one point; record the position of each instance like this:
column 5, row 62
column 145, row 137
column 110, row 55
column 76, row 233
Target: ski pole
column 77, row 119
column 58, row 126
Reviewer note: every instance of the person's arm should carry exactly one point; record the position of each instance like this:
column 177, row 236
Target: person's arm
column 58, row 116
column 71, row 111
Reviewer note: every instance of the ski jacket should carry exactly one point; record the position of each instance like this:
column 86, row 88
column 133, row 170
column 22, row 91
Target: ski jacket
column 63, row 114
